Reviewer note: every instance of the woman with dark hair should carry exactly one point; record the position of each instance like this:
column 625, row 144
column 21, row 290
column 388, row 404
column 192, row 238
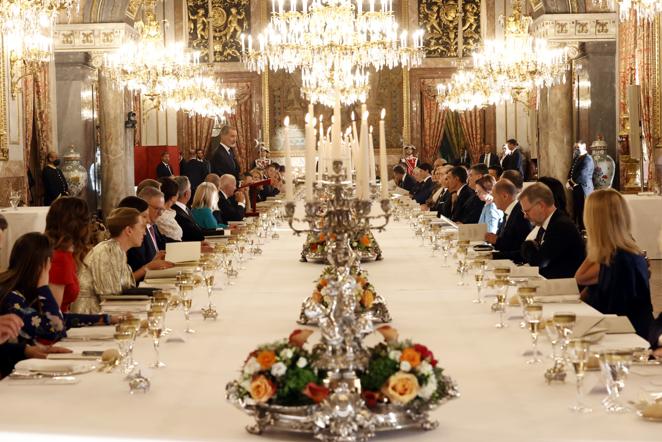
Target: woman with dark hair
column 558, row 191
column 68, row 229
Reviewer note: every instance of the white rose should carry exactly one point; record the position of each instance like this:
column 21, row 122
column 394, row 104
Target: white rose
column 429, row 388
column 246, row 384
column 405, row 366
column 395, row 355
column 425, row 368
column 286, row 354
column 302, row 362
column 251, row 367
column 278, row 369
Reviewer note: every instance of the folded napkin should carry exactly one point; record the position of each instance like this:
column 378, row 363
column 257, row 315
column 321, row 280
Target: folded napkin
column 91, row 333
column 47, row 366
column 498, row 263
column 556, row 287
column 524, row 272
column 609, row 324
column 125, row 307
column 557, row 299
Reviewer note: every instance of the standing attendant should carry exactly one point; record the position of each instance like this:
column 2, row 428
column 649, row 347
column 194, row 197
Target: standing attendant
column 224, row 159
column 55, row 184
column 163, row 169
column 197, row 168
column 513, row 159
column 580, row 180
column 488, row 157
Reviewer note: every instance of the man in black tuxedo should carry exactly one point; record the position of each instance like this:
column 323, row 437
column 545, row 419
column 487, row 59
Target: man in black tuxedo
column 197, row 169
column 514, row 227
column 231, row 204
column 513, row 160
column 425, row 183
column 476, row 172
column 224, row 157
column 190, row 229
column 554, row 245
column 55, row 184
column 489, row 158
column 163, row 169
column 402, row 179
column 465, row 204
column 580, row 181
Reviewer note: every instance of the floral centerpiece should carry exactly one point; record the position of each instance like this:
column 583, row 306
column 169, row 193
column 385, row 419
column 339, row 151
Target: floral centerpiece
column 315, row 247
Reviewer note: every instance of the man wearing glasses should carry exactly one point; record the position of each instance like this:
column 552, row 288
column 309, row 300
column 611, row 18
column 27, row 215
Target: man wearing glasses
column 554, row 245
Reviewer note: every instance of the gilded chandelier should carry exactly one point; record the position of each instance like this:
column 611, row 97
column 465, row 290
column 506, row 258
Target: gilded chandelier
column 201, row 95
column 468, row 89
column 520, row 63
column 319, row 86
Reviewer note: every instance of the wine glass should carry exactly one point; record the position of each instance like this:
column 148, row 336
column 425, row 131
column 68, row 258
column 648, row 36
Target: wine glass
column 132, row 324
column 445, row 247
column 14, row 199
column 579, row 355
column 155, row 325
column 479, row 276
column 553, row 335
column 615, row 366
column 533, row 316
column 565, row 323
column 500, row 306
column 123, row 337
column 209, row 267
column 187, row 302
column 525, row 295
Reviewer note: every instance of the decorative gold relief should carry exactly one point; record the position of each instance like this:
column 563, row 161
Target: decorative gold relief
column 582, row 27
column 4, row 144
column 470, row 26
column 440, row 20
column 229, row 19
column 601, row 27
column 198, row 27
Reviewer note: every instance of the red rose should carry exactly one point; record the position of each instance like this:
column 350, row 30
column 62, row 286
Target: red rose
column 426, row 354
column 316, row 392
column 371, row 398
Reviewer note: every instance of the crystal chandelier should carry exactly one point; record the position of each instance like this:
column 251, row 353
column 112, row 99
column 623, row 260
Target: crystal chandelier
column 520, row 62
column 645, row 9
column 468, row 89
column 320, row 86
column 148, row 65
column 200, row 95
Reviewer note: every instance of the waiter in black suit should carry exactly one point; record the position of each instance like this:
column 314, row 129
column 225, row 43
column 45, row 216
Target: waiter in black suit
column 231, row 204
column 514, row 227
column 554, row 245
column 488, row 157
column 402, row 179
column 465, row 204
column 163, row 169
column 513, row 159
column 197, row 169
column 190, row 229
column 224, row 158
column 580, row 181
column 55, row 184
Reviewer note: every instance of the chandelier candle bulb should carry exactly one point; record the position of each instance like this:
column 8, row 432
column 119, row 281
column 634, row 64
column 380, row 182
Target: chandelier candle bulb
column 383, row 172
column 363, row 173
column 337, row 130
column 289, row 194
column 310, row 152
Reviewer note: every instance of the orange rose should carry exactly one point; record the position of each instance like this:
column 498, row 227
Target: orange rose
column 266, row 358
column 316, row 392
column 412, row 356
column 322, row 237
column 360, row 280
column 323, row 282
column 299, row 337
column 389, row 333
column 367, row 298
column 262, row 389
column 317, row 297
column 365, row 241
column 401, row 388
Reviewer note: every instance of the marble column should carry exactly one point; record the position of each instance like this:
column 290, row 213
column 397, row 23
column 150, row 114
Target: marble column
column 555, row 128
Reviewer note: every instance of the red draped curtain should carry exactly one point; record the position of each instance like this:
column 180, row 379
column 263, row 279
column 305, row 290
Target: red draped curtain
column 193, row 131
column 472, row 126
column 432, row 124
column 38, row 135
column 242, row 120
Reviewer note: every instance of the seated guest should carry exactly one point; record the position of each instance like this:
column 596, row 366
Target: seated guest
column 148, row 183
column 163, row 168
column 402, row 179
column 438, row 163
column 514, row 227
column 266, row 191
column 25, row 293
column 439, row 178
column 166, row 222
column 105, row 270
column 495, row 171
column 514, row 177
column 205, row 202
column 490, row 215
column 465, row 206
column 232, row 204
column 214, row 179
column 190, row 230
column 274, row 174
column 554, row 245
column 425, row 183
column 615, row 269
column 476, row 172
column 557, row 190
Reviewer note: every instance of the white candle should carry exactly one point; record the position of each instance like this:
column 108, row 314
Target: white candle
column 337, row 131
column 371, row 152
column 355, row 133
column 289, row 192
column 309, row 143
column 363, row 174
column 383, row 172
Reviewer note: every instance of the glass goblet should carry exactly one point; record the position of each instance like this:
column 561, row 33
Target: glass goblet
column 123, row 338
column 579, row 355
column 615, row 366
column 533, row 316
column 565, row 323
column 155, row 326
column 500, row 306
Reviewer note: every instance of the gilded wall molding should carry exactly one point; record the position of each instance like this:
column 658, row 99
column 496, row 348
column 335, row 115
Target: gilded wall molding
column 266, row 111
column 576, row 27
column 4, row 124
column 82, row 37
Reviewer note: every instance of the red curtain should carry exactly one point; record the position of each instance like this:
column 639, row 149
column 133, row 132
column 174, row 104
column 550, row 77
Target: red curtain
column 472, row 126
column 242, row 120
column 432, row 124
column 193, row 131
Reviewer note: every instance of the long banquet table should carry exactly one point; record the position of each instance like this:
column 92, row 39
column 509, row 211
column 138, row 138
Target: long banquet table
column 503, row 398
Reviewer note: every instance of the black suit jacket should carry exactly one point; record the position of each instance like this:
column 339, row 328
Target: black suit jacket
column 514, row 161
column 408, row 183
column 562, row 250
column 163, row 170
column 190, row 230
column 424, row 191
column 139, row 256
column 230, row 209
column 443, row 206
column 468, row 206
column 511, row 236
column 54, row 184
column 222, row 163
column 494, row 159
column 196, row 171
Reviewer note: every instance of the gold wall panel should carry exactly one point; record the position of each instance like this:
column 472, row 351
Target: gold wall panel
column 198, row 27
column 4, row 125
column 441, row 21
column 470, row 26
column 229, row 19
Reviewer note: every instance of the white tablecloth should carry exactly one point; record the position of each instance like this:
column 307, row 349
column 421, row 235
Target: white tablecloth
column 22, row 220
column 503, row 398
column 647, row 222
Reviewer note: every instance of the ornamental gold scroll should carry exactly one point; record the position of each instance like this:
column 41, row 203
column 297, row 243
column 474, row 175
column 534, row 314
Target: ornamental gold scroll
column 198, row 27
column 443, row 20
column 229, row 19
column 470, row 26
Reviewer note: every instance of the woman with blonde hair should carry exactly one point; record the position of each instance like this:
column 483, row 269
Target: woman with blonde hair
column 615, row 269
column 205, row 202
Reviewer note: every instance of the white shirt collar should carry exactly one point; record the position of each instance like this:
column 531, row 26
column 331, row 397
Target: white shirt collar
column 226, row 197
column 181, row 205
column 510, row 208
column 546, row 223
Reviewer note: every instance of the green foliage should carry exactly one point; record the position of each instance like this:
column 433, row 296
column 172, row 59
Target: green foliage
column 292, row 385
column 379, row 370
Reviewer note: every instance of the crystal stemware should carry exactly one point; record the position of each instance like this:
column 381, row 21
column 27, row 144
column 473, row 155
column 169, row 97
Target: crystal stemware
column 123, row 338
column 579, row 355
column 155, row 325
column 615, row 366
column 14, row 199
column 533, row 316
column 565, row 323
column 500, row 306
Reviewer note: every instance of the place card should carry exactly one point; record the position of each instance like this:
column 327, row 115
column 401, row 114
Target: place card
column 177, row 252
column 524, row 272
column 472, row 232
column 556, row 287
